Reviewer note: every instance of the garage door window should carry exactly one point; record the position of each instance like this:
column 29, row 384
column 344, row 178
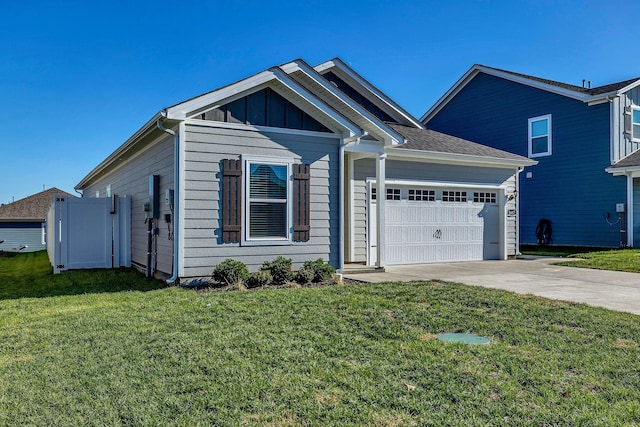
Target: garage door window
column 393, row 194
column 454, row 196
column 484, row 197
column 416, row 194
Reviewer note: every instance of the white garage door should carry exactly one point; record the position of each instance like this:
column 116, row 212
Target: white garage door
column 438, row 225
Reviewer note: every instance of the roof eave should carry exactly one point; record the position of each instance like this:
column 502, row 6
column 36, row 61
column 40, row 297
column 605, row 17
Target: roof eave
column 624, row 170
column 144, row 130
column 476, row 69
column 468, row 159
column 391, row 136
column 377, row 93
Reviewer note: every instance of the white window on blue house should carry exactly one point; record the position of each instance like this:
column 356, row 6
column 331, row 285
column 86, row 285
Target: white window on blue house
column 268, row 202
column 633, row 123
column 540, row 136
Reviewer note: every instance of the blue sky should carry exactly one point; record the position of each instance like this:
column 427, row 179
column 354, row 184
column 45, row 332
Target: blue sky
column 78, row 78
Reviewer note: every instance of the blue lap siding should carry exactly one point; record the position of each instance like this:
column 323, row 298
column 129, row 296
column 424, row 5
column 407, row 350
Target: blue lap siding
column 569, row 187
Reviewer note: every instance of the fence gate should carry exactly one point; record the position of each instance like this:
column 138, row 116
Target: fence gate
column 89, row 233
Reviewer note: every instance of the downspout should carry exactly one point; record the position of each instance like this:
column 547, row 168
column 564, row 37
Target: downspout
column 176, row 198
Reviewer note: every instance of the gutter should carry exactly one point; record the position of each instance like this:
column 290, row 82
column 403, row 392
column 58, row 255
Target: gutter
column 176, row 198
column 435, row 156
column 118, row 152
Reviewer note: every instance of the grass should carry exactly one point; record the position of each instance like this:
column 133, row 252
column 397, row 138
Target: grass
column 618, row 260
column 585, row 257
column 337, row 356
column 558, row 251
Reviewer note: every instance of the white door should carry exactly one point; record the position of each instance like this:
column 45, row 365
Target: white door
column 439, row 228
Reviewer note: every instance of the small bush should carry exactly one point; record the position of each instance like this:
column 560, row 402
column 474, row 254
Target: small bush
column 321, row 270
column 280, row 270
column 230, row 272
column 304, row 275
column 258, row 279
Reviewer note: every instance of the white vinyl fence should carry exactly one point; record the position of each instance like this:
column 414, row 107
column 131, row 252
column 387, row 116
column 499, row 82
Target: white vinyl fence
column 89, row 233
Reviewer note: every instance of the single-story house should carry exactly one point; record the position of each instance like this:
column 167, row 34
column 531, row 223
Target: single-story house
column 23, row 222
column 585, row 139
column 291, row 161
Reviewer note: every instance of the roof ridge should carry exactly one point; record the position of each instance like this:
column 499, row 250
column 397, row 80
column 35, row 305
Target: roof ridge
column 587, row 90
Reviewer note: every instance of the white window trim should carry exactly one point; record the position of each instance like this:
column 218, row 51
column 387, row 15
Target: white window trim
column 634, row 139
column 549, row 136
column 267, row 241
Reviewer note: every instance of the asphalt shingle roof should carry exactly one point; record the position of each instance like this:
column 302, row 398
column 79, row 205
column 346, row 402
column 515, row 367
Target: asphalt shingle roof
column 35, row 206
column 631, row 160
column 430, row 140
column 612, row 87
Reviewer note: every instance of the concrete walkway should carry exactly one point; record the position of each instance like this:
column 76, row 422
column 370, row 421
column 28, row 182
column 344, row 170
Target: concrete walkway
column 530, row 275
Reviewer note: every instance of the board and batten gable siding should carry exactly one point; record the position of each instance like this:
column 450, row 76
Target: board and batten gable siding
column 622, row 143
column 132, row 180
column 419, row 171
column 570, row 187
column 18, row 234
column 206, row 146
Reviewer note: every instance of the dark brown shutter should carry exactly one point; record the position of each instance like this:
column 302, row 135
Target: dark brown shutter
column 231, row 200
column 301, row 202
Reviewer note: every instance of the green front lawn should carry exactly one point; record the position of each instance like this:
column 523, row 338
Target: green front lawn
column 340, row 355
column 618, row 260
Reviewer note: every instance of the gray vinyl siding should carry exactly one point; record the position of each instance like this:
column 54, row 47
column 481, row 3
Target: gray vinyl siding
column 206, row 146
column 418, row 171
column 16, row 235
column 132, row 179
column 622, row 144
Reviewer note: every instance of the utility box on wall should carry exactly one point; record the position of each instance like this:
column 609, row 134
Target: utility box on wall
column 154, row 196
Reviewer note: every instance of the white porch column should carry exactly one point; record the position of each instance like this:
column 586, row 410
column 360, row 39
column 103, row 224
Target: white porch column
column 381, row 197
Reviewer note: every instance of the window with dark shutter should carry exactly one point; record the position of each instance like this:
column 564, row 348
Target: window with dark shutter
column 301, row 202
column 231, row 200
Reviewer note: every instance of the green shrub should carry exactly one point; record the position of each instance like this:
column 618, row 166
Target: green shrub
column 304, row 275
column 230, row 272
column 280, row 270
column 258, row 279
column 321, row 270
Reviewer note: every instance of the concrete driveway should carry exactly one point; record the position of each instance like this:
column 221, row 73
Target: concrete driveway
column 530, row 275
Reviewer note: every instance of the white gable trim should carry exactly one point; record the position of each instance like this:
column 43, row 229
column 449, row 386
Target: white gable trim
column 373, row 123
column 276, row 78
column 383, row 100
column 476, row 69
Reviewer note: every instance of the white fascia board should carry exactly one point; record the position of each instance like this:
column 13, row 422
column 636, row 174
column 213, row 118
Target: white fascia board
column 150, row 125
column 375, row 123
column 377, row 93
column 349, row 129
column 628, row 87
column 453, row 91
column 633, row 171
column 474, row 70
column 184, row 110
column 604, row 97
column 446, row 184
column 453, row 158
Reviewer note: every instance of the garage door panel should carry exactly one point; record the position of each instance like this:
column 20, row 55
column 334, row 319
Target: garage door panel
column 437, row 231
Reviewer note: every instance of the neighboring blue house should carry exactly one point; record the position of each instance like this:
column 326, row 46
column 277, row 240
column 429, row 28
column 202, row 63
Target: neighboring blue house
column 22, row 223
column 584, row 139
